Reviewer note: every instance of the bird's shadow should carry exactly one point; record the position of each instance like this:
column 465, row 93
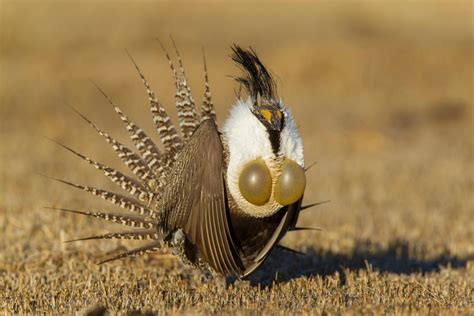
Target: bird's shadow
column 398, row 257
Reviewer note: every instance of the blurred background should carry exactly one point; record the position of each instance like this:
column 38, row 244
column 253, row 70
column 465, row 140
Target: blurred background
column 382, row 92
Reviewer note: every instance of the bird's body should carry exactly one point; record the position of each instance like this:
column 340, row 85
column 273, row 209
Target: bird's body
column 221, row 200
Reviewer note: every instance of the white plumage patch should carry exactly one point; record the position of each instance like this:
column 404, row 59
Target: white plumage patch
column 246, row 136
column 291, row 145
column 247, row 139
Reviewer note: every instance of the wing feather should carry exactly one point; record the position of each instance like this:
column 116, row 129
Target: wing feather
column 203, row 215
column 289, row 220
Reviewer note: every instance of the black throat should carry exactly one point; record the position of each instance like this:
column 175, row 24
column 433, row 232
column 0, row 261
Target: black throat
column 274, row 140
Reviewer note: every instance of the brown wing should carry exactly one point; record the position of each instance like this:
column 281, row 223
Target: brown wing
column 288, row 220
column 196, row 202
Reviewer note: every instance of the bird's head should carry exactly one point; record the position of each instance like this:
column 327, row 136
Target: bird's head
column 265, row 163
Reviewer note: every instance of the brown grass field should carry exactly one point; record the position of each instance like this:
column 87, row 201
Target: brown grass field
column 383, row 96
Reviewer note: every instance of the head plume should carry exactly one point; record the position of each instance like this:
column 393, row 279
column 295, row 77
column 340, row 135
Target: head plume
column 256, row 80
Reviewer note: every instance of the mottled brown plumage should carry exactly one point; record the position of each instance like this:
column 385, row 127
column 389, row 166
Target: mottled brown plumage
column 179, row 198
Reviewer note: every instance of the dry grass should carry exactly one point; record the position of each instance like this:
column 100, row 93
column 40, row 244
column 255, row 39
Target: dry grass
column 383, row 95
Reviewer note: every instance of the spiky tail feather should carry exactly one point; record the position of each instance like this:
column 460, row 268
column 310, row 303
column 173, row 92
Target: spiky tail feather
column 207, row 108
column 134, row 162
column 152, row 247
column 122, row 201
column 144, row 144
column 138, row 234
column 127, row 183
column 188, row 117
column 150, row 164
column 304, row 207
column 127, row 220
column 166, row 130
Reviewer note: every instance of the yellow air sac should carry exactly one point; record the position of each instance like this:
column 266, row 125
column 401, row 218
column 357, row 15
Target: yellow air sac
column 255, row 182
column 290, row 186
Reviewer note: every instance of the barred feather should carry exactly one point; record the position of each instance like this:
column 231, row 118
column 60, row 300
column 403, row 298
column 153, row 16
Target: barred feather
column 195, row 213
column 127, row 183
column 154, row 246
column 207, row 108
column 122, row 201
column 129, row 158
column 145, row 145
column 137, row 234
column 187, row 114
column 148, row 149
column 169, row 137
column 170, row 62
column 127, row 220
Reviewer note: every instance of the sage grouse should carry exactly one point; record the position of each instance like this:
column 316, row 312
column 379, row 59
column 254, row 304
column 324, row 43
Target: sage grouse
column 219, row 199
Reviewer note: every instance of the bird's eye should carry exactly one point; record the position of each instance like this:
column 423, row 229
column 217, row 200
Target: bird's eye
column 266, row 114
column 255, row 182
column 290, row 185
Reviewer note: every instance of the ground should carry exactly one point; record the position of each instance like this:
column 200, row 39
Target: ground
column 382, row 93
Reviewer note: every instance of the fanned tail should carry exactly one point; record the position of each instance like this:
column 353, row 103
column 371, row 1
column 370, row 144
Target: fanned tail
column 129, row 158
column 207, row 108
column 146, row 147
column 166, row 130
column 122, row 201
column 187, row 114
column 154, row 246
column 148, row 163
column 127, row 220
column 127, row 183
column 137, row 234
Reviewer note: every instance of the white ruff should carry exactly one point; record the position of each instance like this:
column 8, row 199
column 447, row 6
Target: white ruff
column 247, row 140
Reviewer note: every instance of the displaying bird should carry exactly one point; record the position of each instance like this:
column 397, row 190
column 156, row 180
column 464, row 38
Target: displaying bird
column 219, row 199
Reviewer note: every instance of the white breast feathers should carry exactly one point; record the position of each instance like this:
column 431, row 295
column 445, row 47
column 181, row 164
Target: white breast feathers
column 247, row 139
